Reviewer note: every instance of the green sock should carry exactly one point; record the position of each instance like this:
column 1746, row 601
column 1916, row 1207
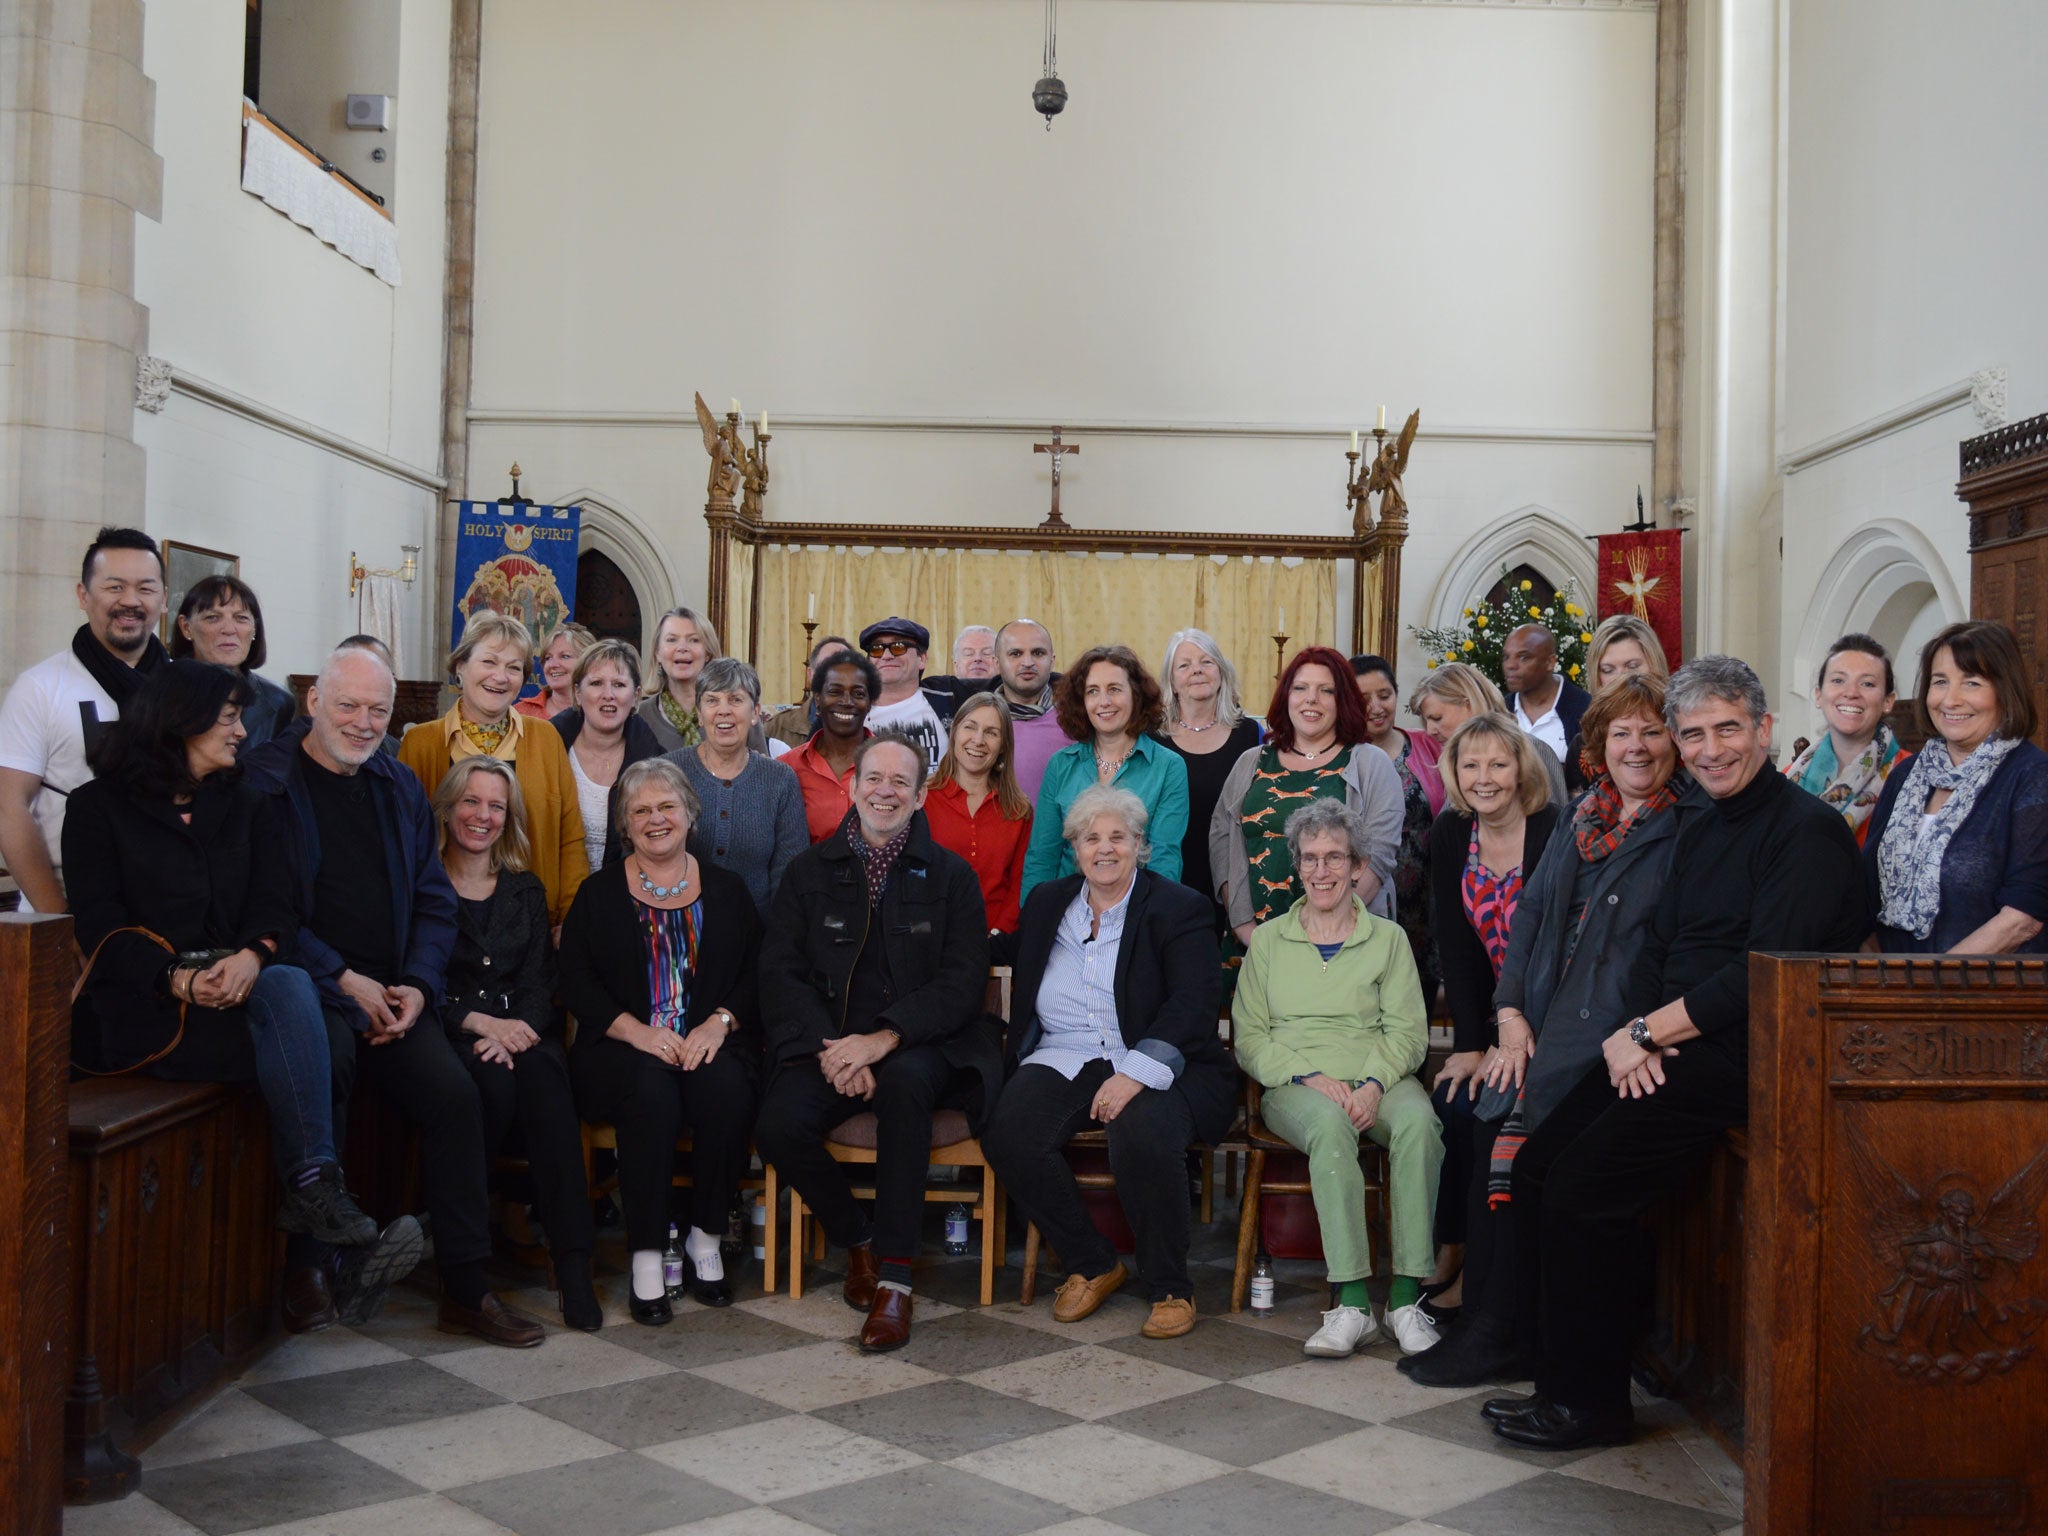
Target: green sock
column 1405, row 1293
column 1352, row 1293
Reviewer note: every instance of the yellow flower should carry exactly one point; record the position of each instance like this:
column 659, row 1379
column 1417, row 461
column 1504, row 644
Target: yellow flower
column 1585, row 638
column 1468, row 613
column 1535, row 613
column 1480, row 621
column 1432, row 663
column 1468, row 645
column 1572, row 609
column 1575, row 669
column 1528, row 586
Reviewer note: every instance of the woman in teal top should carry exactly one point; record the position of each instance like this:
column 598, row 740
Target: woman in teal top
column 1109, row 705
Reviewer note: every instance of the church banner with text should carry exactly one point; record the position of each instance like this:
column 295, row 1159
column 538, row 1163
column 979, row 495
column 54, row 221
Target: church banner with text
column 1639, row 574
column 517, row 560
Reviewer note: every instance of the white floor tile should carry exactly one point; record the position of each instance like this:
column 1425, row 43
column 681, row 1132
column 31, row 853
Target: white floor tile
column 314, row 1354
column 1090, row 1382
column 744, row 1522
column 232, row 1422
column 1661, row 1468
column 1089, row 1467
column 817, row 1375
column 566, row 1362
column 429, row 1515
column 782, row 1458
column 1393, row 1470
column 472, row 1447
column 1363, row 1387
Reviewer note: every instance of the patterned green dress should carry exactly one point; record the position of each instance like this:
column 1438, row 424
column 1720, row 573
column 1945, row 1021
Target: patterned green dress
column 1275, row 794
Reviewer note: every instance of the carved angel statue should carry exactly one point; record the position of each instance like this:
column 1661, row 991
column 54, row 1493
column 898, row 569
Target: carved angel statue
column 1388, row 469
column 1948, row 1255
column 719, row 443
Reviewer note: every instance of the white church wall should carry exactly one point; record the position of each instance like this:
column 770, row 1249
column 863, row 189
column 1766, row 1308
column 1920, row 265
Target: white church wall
column 326, row 369
column 1917, row 214
column 1255, row 220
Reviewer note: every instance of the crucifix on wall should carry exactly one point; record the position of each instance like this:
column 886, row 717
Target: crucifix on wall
column 1058, row 450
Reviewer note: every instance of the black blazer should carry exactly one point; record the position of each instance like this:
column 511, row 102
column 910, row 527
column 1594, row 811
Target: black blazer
column 1168, row 987
column 641, row 743
column 1571, row 709
column 227, row 881
column 504, row 967
column 604, row 963
column 1468, row 974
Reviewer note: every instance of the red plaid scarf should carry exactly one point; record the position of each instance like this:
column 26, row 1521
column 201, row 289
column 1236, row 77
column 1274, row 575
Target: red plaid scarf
column 1598, row 827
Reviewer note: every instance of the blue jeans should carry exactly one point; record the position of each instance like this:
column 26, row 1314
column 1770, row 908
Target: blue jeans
column 292, row 1066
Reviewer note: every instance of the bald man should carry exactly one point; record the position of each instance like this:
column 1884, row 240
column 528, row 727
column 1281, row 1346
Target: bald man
column 1546, row 704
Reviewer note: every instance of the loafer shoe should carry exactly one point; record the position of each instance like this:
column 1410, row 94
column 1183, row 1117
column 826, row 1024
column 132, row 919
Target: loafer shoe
column 492, row 1321
column 1345, row 1330
column 1079, row 1295
column 308, row 1300
column 1498, row 1410
column 655, row 1314
column 1170, row 1318
column 1412, row 1329
column 863, row 1273
column 363, row 1275
column 888, row 1324
column 1554, row 1427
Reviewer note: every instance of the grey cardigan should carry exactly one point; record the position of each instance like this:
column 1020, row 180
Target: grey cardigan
column 753, row 826
column 1573, row 1008
column 1372, row 787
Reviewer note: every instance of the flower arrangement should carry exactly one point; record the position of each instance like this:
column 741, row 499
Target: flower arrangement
column 1482, row 636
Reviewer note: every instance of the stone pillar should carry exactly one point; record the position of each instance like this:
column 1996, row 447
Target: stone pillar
column 77, row 121
column 465, row 31
column 1668, row 315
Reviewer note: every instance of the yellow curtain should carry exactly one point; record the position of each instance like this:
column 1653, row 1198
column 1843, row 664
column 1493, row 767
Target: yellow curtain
column 1084, row 599
column 739, row 599
column 1369, row 606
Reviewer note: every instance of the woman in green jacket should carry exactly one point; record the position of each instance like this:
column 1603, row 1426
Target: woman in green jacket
column 1329, row 1018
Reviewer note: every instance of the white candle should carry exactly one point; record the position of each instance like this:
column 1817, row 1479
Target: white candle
column 764, row 423
column 736, row 410
column 1381, row 424
column 1354, row 442
column 811, row 612
column 1282, row 625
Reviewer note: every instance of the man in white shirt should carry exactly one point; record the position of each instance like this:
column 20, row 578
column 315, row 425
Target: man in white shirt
column 1546, row 705
column 897, row 647
column 56, row 709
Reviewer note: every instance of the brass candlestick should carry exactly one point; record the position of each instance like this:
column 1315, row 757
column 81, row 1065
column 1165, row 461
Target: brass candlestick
column 1279, row 655
column 804, row 662
column 1354, row 495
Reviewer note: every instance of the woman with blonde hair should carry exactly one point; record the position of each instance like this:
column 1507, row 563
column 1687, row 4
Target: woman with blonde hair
column 1453, row 693
column 1208, row 727
column 1624, row 646
column 554, row 670
column 498, row 1006
column 489, row 667
column 978, row 810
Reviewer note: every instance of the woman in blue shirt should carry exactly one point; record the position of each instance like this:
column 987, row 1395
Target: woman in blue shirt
column 1109, row 704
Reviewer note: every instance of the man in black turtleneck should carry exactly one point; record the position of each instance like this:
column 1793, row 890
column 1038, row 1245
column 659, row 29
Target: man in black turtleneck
column 1757, row 864
column 56, row 709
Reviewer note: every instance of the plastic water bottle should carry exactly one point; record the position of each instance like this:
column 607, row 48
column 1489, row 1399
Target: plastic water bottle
column 672, row 1264
column 759, row 1227
column 1262, row 1285
column 956, row 1229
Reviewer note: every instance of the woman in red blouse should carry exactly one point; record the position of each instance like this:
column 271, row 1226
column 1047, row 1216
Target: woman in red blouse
column 976, row 808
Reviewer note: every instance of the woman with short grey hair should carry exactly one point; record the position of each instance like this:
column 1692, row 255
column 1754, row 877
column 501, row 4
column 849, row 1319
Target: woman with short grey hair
column 1107, row 800
column 753, row 807
column 1206, row 725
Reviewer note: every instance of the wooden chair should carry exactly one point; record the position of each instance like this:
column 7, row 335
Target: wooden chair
column 1261, row 1141
column 605, row 1136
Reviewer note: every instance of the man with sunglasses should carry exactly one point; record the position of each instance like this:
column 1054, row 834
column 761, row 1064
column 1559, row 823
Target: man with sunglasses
column 897, row 647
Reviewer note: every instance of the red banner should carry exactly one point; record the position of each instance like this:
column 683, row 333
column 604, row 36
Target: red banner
column 1639, row 575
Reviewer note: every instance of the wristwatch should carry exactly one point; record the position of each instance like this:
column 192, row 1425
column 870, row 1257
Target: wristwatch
column 1639, row 1033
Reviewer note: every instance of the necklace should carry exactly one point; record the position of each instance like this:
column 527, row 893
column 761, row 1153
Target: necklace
column 664, row 892
column 1195, row 730
column 1313, row 751
column 1110, row 768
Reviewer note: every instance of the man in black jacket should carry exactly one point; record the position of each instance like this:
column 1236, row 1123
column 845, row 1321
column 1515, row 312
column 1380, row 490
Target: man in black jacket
column 873, row 970
column 1758, row 865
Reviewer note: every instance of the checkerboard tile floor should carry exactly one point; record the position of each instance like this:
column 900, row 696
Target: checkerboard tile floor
column 764, row 1420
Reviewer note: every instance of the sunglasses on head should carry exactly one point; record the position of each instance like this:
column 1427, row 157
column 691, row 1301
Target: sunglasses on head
column 891, row 647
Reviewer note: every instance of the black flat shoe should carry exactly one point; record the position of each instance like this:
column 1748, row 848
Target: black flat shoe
column 655, row 1314
column 711, row 1293
column 1471, row 1357
column 580, row 1307
column 1554, row 1427
column 1498, row 1410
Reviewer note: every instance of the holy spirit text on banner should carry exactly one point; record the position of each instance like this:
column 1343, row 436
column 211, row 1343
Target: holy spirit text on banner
column 517, row 560
column 1639, row 574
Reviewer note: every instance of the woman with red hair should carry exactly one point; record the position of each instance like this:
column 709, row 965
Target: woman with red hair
column 1317, row 749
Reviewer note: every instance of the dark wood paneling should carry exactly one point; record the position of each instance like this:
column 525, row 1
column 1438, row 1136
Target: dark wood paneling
column 2005, row 481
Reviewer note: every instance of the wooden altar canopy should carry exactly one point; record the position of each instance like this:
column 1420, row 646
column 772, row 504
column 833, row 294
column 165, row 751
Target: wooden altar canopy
column 1897, row 1280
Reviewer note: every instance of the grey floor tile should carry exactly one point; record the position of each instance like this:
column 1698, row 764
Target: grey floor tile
column 958, row 1281
column 920, row 1499
column 1234, row 1424
column 944, row 1419
column 1246, row 1502
column 712, row 1335
column 967, row 1342
column 1216, row 1348
column 259, row 1488
column 1553, row 1505
column 374, row 1397
column 655, row 1410
column 1459, row 1422
column 623, row 1495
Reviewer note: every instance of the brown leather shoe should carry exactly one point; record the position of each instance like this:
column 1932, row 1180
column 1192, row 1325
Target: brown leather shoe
column 1170, row 1318
column 1078, row 1296
column 888, row 1324
column 308, row 1300
column 493, row 1322
column 862, row 1271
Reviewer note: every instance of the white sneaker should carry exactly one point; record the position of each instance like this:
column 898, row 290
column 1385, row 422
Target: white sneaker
column 1344, row 1330
column 1412, row 1328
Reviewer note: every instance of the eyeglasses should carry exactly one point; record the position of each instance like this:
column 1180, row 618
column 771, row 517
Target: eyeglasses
column 1323, row 861
column 891, row 647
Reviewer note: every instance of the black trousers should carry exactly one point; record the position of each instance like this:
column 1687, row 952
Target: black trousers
column 1490, row 1290
column 800, row 1107
column 1454, row 1106
column 1026, row 1140
column 534, row 1094
column 432, row 1090
column 1582, row 1181
column 651, row 1106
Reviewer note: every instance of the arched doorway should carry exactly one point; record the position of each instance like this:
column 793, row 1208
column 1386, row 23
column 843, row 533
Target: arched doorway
column 605, row 599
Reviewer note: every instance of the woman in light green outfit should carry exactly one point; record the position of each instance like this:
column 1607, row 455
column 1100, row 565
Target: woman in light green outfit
column 1329, row 1018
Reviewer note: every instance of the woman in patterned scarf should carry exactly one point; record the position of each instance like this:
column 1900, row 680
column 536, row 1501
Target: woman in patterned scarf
column 1580, row 923
column 1848, row 766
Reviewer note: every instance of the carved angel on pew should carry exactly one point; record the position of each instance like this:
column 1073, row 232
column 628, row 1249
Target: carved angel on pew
column 1389, row 467
column 1949, row 1251
column 719, row 442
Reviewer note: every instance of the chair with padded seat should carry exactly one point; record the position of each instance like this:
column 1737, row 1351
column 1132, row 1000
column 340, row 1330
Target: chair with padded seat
column 1262, row 1142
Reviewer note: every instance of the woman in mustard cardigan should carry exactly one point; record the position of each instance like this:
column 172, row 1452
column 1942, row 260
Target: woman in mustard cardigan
column 489, row 666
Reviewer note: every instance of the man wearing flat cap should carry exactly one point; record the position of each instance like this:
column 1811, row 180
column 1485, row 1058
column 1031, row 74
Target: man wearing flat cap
column 897, row 647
